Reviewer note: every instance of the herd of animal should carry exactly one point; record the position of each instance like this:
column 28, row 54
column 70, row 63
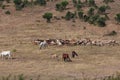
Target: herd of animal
column 73, row 42
column 65, row 56
column 61, row 42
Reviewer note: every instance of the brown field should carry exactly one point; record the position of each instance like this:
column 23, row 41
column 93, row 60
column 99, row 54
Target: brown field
column 18, row 30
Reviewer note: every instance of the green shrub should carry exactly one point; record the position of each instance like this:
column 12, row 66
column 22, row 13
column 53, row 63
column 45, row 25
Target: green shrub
column 117, row 17
column 91, row 11
column 102, row 9
column 3, row 6
column 101, row 21
column 69, row 15
column 80, row 14
column 8, row 1
column 108, row 1
column 79, row 6
column 112, row 33
column 64, row 4
column 41, row 2
column 48, row 16
column 91, row 3
column 59, row 7
column 93, row 19
column 7, row 12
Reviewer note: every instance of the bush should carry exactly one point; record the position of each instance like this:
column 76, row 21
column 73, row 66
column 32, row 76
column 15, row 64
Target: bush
column 48, row 16
column 8, row 1
column 112, row 33
column 59, row 7
column 117, row 17
column 108, row 1
column 80, row 14
column 79, row 6
column 41, row 2
column 64, row 4
column 7, row 12
column 3, row 6
column 93, row 19
column 91, row 3
column 101, row 21
column 19, row 4
column 102, row 9
column 91, row 11
column 69, row 15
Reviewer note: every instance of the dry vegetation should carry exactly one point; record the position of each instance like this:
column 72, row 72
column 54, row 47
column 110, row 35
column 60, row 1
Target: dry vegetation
column 18, row 30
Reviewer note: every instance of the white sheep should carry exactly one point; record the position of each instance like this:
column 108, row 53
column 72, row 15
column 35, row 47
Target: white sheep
column 5, row 53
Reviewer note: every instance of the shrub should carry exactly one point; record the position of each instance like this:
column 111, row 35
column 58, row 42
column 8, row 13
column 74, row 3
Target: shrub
column 3, row 6
column 18, row 4
column 91, row 11
column 117, row 17
column 64, row 4
column 69, row 15
column 102, row 9
column 8, row 1
column 108, row 1
column 74, row 2
column 93, row 19
column 79, row 6
column 59, row 7
column 112, row 33
column 41, row 2
column 91, row 3
column 101, row 21
column 48, row 16
column 80, row 14
column 7, row 12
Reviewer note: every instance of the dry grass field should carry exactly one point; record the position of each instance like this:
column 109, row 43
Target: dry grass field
column 18, row 30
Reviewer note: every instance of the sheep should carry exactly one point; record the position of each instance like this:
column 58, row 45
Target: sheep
column 5, row 53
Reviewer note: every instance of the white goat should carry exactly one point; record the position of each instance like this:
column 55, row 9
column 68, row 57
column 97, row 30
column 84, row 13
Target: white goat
column 5, row 53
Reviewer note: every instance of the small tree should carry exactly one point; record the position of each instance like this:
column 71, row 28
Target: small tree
column 79, row 2
column 79, row 6
column 117, row 17
column 91, row 11
column 8, row 1
column 102, row 9
column 107, row 1
column 74, row 2
column 48, row 16
column 18, row 4
column 7, row 12
column 80, row 14
column 59, row 7
column 91, row 3
column 69, row 15
column 64, row 4
column 101, row 21
column 93, row 19
column 41, row 2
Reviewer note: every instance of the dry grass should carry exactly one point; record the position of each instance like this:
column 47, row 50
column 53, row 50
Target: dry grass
column 20, row 28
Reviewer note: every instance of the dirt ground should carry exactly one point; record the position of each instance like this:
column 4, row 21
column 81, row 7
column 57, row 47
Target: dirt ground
column 18, row 30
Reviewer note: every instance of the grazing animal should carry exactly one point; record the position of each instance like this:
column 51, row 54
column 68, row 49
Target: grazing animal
column 58, row 42
column 55, row 56
column 43, row 44
column 66, row 57
column 74, row 54
column 5, row 53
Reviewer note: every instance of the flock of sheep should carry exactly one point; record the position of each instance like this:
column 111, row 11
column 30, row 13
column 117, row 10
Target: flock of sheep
column 61, row 42
column 73, row 42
